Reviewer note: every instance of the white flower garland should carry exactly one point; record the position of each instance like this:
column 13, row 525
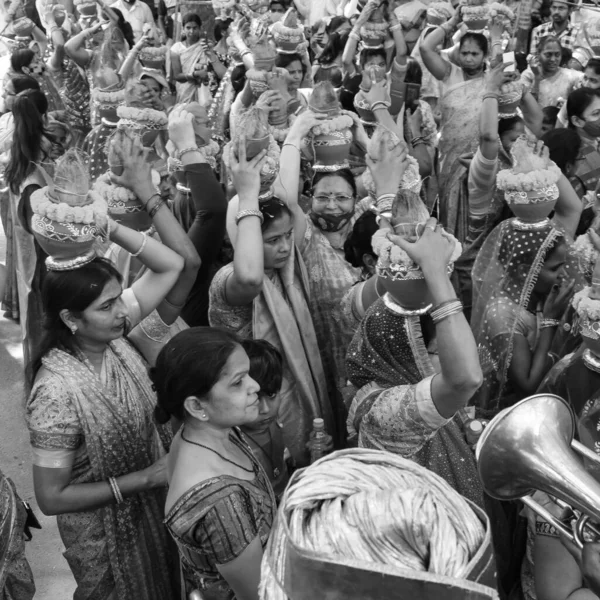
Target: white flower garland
column 387, row 250
column 108, row 97
column 586, row 306
column 153, row 52
column 112, row 193
column 157, row 119
column 62, row 212
column 328, row 126
column 507, row 180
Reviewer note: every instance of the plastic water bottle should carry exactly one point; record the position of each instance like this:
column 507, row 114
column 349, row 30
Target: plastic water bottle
column 319, row 443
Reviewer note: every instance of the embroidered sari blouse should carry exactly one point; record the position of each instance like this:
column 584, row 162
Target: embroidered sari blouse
column 216, row 520
column 55, row 432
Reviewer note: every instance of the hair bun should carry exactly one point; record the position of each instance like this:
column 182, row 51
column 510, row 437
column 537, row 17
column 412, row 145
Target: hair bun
column 161, row 415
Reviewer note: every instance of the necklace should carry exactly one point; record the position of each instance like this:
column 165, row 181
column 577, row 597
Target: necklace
column 274, row 469
column 217, row 453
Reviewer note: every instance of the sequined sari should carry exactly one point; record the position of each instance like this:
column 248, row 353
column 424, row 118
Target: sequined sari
column 117, row 552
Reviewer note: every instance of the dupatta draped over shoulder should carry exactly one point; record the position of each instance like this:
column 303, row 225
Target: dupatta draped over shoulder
column 504, row 276
column 460, row 103
column 389, row 364
column 280, row 315
column 120, row 550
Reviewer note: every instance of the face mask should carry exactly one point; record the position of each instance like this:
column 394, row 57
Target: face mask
column 592, row 127
column 331, row 222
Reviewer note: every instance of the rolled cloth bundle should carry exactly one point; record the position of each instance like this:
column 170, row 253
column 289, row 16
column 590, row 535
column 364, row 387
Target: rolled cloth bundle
column 357, row 515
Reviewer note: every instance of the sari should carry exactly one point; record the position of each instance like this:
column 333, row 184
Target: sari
column 16, row 579
column 459, row 103
column 104, row 427
column 504, row 276
column 94, row 145
column 189, row 56
column 280, row 315
column 389, row 364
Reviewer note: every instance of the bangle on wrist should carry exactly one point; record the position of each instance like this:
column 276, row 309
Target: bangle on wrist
column 142, row 247
column 242, row 214
column 395, row 27
column 154, row 195
column 116, row 491
column 491, row 95
column 545, row 323
column 180, row 153
column 446, row 309
column 384, row 202
column 159, row 204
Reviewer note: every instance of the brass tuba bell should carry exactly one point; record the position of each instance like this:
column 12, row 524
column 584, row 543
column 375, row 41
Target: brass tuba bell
column 530, row 446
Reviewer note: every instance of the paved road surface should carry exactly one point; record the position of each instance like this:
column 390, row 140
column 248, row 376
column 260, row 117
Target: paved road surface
column 52, row 575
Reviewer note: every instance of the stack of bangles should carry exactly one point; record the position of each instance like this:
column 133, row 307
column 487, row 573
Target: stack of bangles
column 492, row 95
column 114, row 486
column 380, row 103
column 384, row 203
column 159, row 203
column 242, row 214
column 446, row 309
column 395, row 26
column 417, row 140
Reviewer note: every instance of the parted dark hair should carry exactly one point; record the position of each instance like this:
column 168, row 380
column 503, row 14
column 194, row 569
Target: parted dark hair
column 549, row 39
column 22, row 82
column 594, row 63
column 266, row 365
column 358, row 243
column 478, row 38
column 285, row 60
column 29, row 109
column 192, row 17
column 563, row 145
column 345, row 174
column 190, row 364
column 368, row 53
column 508, row 124
column 73, row 291
column 334, row 48
column 221, row 27
column 578, row 101
column 21, row 58
column 272, row 209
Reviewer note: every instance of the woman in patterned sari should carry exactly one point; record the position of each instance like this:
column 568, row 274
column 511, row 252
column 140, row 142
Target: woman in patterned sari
column 99, row 458
column 196, row 68
column 263, row 294
column 461, row 93
column 16, row 579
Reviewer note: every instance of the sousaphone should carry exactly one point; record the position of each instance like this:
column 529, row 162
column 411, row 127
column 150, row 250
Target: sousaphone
column 530, row 446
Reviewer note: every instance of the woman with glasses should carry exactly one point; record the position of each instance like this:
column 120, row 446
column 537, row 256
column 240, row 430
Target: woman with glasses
column 320, row 236
column 263, row 294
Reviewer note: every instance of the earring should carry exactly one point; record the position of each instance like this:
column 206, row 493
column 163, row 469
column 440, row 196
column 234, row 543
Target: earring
column 73, row 329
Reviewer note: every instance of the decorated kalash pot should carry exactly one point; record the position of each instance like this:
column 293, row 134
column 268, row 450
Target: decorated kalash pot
column 502, row 15
column 68, row 217
column 256, row 129
column 264, row 54
column 375, row 31
column 208, row 148
column 123, row 205
column 530, row 184
column 141, row 115
column 439, row 12
column 400, row 276
column 154, row 55
column 510, row 97
column 327, row 145
column 288, row 34
column 475, row 15
column 86, row 8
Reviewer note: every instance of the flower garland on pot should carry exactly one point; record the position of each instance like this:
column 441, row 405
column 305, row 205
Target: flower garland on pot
column 141, row 118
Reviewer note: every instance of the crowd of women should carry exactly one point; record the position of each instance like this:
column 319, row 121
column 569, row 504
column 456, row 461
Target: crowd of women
column 381, row 214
